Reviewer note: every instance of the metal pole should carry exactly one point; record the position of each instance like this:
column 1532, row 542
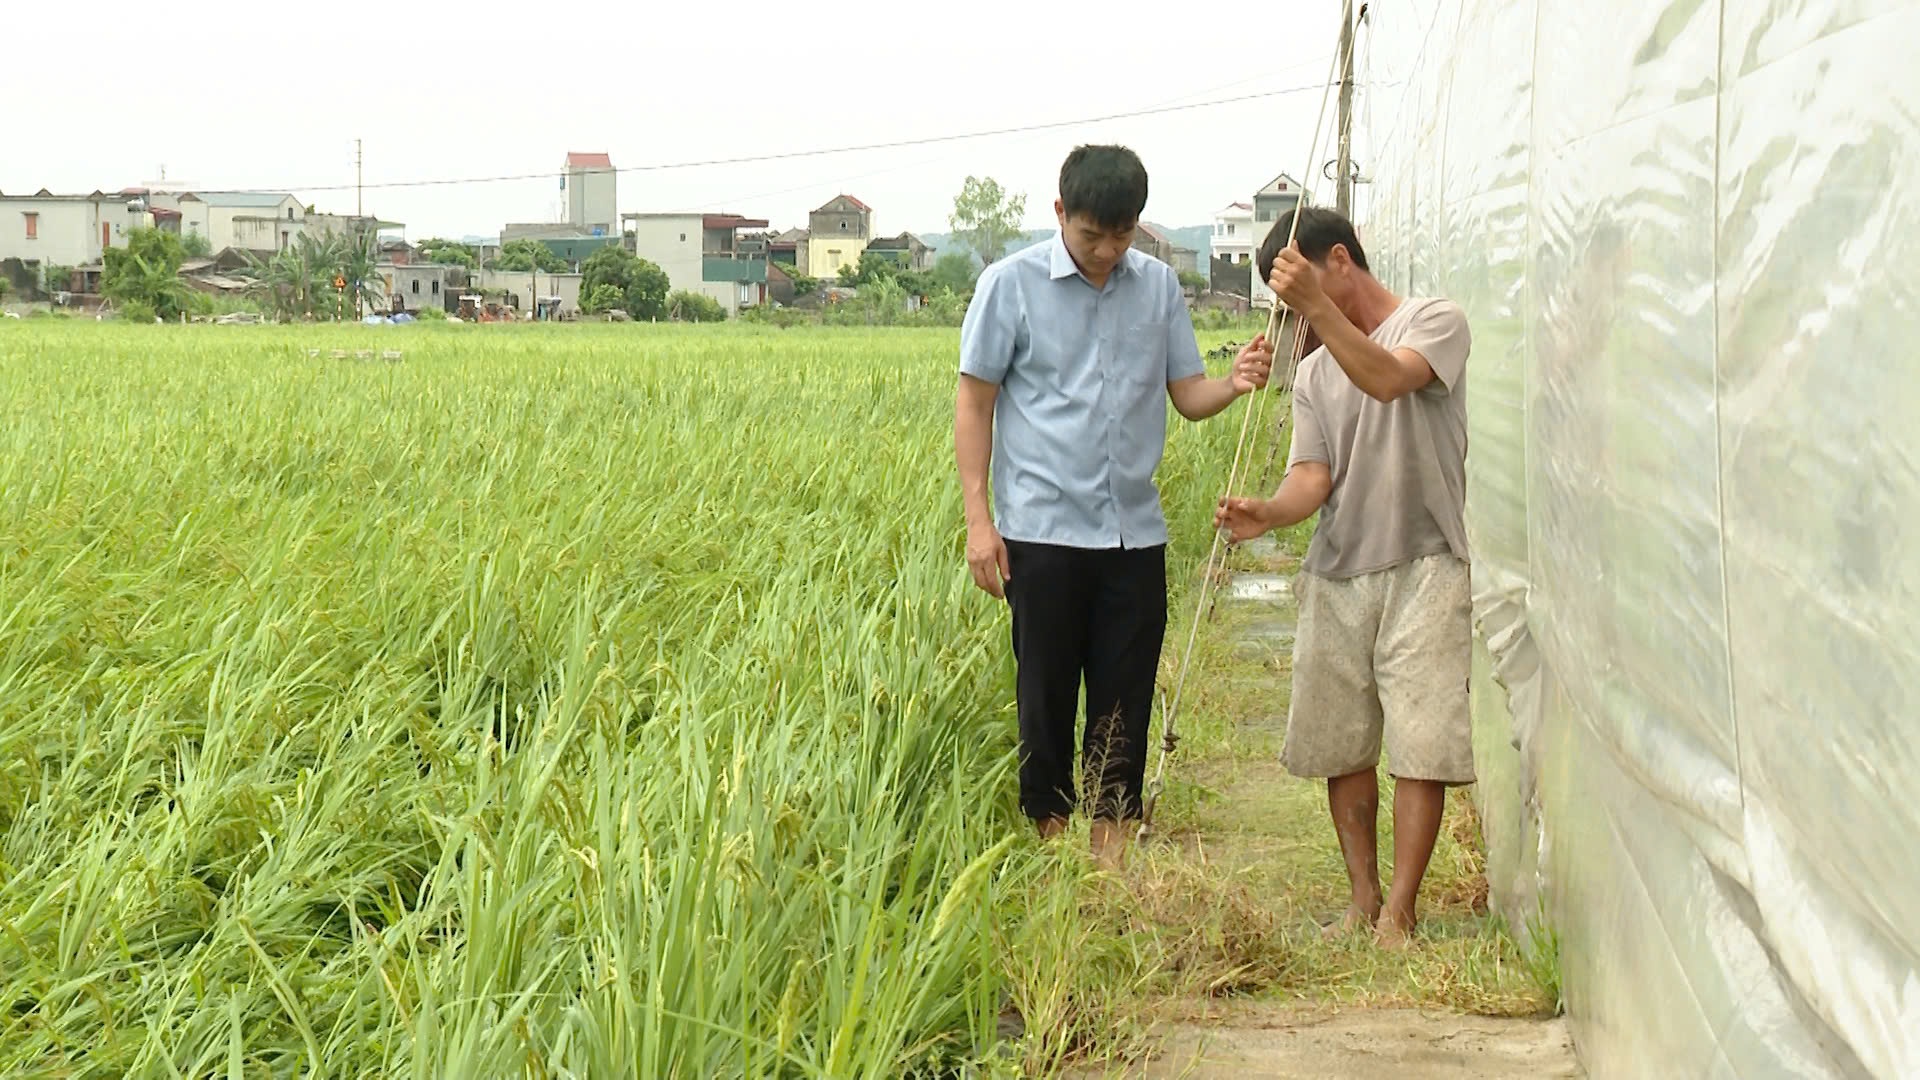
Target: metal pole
column 1343, row 185
column 360, row 213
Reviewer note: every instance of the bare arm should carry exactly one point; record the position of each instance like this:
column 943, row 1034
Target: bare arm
column 1302, row 492
column 1199, row 397
column 1379, row 373
column 973, row 451
column 973, row 445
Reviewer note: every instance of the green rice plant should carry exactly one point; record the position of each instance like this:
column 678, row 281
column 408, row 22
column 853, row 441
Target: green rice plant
column 583, row 701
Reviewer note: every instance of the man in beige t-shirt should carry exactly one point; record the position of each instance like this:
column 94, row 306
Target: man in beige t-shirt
column 1385, row 637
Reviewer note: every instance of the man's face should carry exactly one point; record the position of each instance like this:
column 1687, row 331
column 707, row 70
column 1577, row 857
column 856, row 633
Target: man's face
column 1096, row 248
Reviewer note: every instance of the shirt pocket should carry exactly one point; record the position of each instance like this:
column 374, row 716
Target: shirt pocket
column 1144, row 351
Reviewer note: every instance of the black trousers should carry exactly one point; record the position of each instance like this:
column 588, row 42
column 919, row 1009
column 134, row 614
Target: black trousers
column 1092, row 617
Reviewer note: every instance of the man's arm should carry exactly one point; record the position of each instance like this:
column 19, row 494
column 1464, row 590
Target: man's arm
column 1195, row 396
column 973, row 446
column 1381, row 374
column 1302, row 492
column 1199, row 397
column 989, row 336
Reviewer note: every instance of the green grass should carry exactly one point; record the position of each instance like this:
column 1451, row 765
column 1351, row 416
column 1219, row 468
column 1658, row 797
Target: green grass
column 561, row 701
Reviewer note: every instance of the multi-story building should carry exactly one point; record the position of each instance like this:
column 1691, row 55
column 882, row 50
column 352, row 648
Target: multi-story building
column 592, row 187
column 255, row 221
column 705, row 253
column 837, row 233
column 1270, row 203
column 1233, row 238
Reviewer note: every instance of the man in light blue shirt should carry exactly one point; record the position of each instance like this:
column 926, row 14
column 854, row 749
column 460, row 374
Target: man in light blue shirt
column 1069, row 354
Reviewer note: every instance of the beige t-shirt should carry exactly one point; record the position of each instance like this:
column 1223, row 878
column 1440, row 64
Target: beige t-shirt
column 1399, row 468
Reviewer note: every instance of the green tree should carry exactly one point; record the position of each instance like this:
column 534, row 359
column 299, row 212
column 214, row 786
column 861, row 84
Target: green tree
column 525, row 254
column 5, row 287
column 642, row 285
column 196, row 245
column 297, row 281
column 954, row 271
column 146, row 272
column 355, row 259
column 986, row 218
column 695, row 307
column 446, row 253
column 602, row 299
column 1193, row 279
column 56, row 279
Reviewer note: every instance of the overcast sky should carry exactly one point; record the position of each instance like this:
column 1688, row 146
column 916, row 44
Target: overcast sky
column 249, row 95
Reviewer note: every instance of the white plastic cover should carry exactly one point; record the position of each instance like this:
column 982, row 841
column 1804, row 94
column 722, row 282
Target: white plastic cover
column 1685, row 233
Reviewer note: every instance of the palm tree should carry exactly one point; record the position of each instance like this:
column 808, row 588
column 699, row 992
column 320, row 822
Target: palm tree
column 355, row 260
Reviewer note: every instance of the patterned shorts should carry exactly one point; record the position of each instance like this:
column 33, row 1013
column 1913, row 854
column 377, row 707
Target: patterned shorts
column 1386, row 652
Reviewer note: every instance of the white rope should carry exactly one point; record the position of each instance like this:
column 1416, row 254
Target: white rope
column 1170, row 711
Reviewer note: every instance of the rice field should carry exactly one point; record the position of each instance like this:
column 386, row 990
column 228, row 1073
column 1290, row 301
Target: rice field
column 556, row 702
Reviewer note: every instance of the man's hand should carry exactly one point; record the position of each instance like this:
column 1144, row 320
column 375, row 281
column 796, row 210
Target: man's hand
column 987, row 558
column 1243, row 519
column 1296, row 284
column 1252, row 366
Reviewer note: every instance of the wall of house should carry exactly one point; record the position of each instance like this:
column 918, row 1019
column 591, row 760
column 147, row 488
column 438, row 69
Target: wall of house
column 523, row 285
column 67, row 231
column 672, row 242
column 418, row 287
column 251, row 228
column 826, row 253
column 592, row 199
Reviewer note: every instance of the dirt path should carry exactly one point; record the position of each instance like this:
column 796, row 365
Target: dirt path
column 1463, row 1002
column 1364, row 1044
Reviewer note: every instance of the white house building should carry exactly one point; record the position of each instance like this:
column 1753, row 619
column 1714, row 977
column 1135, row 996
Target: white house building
column 592, row 186
column 44, row 229
column 1278, row 197
column 1233, row 238
column 245, row 220
column 704, row 253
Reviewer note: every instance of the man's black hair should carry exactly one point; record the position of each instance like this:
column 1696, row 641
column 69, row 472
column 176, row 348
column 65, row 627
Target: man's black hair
column 1105, row 183
column 1320, row 229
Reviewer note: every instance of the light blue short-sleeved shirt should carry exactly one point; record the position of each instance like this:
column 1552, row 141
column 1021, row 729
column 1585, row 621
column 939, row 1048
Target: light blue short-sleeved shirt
column 1080, row 422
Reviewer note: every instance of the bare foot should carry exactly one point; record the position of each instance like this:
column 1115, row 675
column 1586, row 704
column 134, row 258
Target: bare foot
column 1394, row 932
column 1356, row 918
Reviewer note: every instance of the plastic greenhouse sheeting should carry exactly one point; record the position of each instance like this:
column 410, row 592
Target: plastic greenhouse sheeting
column 1685, row 234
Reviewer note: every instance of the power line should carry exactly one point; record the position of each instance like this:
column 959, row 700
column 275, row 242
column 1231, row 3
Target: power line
column 790, row 155
column 841, row 181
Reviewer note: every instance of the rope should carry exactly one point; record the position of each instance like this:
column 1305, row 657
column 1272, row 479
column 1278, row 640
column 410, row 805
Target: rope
column 1170, row 710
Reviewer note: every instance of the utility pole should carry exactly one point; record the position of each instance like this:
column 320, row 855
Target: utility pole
column 1343, row 184
column 360, row 214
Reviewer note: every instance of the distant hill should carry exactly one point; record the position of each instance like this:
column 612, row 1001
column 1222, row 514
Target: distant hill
column 1197, row 237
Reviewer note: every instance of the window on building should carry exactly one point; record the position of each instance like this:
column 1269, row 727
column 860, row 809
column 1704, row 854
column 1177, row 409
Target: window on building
column 416, row 286
column 289, row 213
column 33, row 225
column 683, row 238
column 1229, row 229
column 436, row 287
